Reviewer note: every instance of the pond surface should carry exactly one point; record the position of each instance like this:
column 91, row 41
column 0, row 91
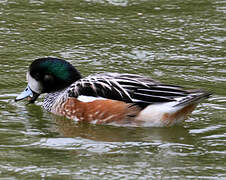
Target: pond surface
column 177, row 42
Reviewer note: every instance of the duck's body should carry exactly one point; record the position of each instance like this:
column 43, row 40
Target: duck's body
column 108, row 97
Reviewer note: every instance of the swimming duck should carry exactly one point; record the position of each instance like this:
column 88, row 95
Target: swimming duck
column 108, row 98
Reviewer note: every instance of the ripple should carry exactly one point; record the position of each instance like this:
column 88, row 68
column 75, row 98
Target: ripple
column 207, row 129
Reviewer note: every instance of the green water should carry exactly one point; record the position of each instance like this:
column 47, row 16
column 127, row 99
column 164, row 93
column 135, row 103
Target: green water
column 177, row 42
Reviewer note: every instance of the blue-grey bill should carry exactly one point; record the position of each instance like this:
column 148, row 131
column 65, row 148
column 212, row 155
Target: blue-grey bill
column 26, row 93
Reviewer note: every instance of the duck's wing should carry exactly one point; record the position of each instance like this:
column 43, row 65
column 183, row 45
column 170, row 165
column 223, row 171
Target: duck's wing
column 129, row 88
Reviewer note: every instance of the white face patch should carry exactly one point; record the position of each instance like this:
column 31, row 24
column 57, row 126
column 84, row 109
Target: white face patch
column 33, row 84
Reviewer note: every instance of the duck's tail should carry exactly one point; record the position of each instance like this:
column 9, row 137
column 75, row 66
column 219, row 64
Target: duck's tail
column 174, row 112
column 194, row 97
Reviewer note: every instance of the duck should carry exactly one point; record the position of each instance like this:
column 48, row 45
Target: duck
column 109, row 97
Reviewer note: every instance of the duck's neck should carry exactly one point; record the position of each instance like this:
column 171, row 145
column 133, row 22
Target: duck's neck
column 57, row 97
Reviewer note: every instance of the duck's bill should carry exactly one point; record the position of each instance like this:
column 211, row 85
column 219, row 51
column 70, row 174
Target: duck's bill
column 27, row 93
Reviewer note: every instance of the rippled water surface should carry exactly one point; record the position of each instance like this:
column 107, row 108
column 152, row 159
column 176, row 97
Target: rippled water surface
column 177, row 42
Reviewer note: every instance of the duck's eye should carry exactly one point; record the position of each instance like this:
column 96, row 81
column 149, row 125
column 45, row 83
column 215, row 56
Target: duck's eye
column 48, row 78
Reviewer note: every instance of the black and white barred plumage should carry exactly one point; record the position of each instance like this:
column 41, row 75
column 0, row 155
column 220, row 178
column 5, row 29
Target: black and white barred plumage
column 131, row 88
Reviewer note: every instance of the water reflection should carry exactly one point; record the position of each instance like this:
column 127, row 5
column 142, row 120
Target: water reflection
column 70, row 128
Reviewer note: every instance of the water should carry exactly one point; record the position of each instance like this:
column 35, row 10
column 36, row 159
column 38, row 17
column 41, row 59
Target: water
column 177, row 42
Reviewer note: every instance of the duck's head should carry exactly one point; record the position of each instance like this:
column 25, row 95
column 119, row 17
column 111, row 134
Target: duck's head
column 48, row 75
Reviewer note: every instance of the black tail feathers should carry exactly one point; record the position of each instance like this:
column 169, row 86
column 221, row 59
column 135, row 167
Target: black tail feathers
column 194, row 96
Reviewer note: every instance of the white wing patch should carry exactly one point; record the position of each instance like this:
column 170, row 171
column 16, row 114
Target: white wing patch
column 89, row 98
